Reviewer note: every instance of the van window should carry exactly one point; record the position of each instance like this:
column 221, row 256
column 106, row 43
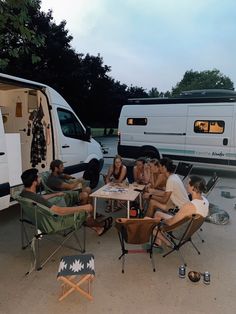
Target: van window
column 137, row 121
column 70, row 126
column 209, row 126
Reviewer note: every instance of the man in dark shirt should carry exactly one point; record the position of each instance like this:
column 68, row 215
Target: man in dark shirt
column 60, row 181
column 31, row 181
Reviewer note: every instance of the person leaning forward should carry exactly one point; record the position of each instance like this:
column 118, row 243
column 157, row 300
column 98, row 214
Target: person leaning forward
column 31, row 182
column 60, row 181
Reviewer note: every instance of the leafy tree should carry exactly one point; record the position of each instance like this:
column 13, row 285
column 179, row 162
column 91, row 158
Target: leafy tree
column 136, row 92
column 213, row 79
column 153, row 92
column 15, row 35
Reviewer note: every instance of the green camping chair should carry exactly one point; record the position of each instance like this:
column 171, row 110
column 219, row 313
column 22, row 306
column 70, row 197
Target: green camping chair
column 47, row 225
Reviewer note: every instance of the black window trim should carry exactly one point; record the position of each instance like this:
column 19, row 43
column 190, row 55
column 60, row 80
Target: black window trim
column 209, row 121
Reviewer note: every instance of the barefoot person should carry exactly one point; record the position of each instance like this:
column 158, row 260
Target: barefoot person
column 198, row 205
column 31, row 181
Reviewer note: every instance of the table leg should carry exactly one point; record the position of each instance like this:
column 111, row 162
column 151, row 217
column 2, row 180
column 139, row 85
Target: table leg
column 128, row 207
column 94, row 207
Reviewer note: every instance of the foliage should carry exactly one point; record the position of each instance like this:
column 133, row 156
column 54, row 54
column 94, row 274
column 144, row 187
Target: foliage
column 136, row 92
column 193, row 80
column 16, row 37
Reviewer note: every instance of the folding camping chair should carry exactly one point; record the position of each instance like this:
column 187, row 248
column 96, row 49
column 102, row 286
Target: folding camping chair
column 75, row 271
column 45, row 224
column 211, row 183
column 136, row 231
column 183, row 169
column 181, row 233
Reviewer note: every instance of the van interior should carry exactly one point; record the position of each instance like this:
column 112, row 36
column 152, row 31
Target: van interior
column 21, row 109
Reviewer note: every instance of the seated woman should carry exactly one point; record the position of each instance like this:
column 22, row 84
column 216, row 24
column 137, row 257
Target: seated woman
column 141, row 171
column 198, row 205
column 157, row 179
column 117, row 173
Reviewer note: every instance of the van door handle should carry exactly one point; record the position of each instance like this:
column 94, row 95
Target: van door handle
column 2, row 153
column 65, row 146
column 225, row 141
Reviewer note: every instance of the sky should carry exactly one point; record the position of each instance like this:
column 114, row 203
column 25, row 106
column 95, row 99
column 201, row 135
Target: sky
column 152, row 43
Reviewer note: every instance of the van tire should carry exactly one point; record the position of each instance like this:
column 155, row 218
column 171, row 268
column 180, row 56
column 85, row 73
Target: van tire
column 92, row 174
column 150, row 154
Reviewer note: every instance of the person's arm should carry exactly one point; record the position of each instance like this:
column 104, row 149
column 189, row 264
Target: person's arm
column 68, row 186
column 135, row 174
column 160, row 181
column 122, row 174
column 147, row 174
column 185, row 211
column 48, row 196
column 63, row 211
column 164, row 198
column 109, row 174
column 67, row 176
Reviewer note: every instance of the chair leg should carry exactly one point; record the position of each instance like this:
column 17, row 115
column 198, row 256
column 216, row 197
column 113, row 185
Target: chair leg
column 198, row 234
column 195, row 247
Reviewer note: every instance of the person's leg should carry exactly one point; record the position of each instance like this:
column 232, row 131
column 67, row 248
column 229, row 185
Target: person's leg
column 153, row 205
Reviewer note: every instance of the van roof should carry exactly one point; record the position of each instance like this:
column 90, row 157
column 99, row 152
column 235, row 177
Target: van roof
column 192, row 96
column 7, row 81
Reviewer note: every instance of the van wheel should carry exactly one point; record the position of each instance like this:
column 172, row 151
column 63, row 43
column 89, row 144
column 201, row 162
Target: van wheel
column 151, row 154
column 92, row 174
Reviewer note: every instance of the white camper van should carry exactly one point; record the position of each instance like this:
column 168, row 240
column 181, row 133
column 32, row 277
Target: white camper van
column 36, row 126
column 198, row 127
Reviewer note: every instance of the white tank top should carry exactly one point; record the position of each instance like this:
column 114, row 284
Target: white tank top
column 202, row 206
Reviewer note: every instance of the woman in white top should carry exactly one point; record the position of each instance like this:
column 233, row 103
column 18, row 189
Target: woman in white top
column 199, row 205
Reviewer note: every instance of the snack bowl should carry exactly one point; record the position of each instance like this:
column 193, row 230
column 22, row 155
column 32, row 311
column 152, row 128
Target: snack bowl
column 194, row 276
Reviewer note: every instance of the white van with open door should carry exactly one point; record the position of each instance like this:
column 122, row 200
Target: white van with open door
column 37, row 125
column 197, row 127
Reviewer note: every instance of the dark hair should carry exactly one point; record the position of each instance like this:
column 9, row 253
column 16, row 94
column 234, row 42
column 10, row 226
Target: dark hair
column 29, row 176
column 168, row 163
column 141, row 159
column 116, row 157
column 55, row 164
column 155, row 162
column 198, row 183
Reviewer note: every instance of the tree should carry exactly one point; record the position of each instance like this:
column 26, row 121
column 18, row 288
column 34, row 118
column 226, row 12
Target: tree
column 15, row 35
column 153, row 92
column 136, row 92
column 202, row 80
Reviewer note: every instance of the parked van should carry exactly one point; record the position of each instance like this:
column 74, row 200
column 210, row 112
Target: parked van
column 36, row 126
column 197, row 127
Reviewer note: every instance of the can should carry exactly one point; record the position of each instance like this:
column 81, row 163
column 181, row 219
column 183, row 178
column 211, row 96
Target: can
column 182, row 271
column 206, row 278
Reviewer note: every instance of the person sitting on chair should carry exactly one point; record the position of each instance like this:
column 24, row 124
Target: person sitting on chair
column 31, row 182
column 141, row 171
column 198, row 205
column 57, row 181
column 175, row 194
column 117, row 173
column 157, row 179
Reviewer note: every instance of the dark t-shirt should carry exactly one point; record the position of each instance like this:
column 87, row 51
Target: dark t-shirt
column 55, row 182
column 36, row 198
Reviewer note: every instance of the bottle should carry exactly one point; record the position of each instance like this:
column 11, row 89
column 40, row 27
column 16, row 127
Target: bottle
column 206, row 278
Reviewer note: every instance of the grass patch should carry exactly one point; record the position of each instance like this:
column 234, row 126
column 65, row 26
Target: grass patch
column 96, row 132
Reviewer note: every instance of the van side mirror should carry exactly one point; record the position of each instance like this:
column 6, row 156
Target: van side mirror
column 87, row 135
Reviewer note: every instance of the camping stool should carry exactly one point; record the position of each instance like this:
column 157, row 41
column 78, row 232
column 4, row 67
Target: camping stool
column 73, row 272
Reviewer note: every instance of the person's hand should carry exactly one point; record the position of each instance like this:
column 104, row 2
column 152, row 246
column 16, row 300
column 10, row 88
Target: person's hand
column 88, row 208
column 146, row 196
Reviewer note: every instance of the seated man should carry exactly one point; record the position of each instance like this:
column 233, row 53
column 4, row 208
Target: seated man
column 174, row 195
column 31, row 181
column 199, row 205
column 57, row 181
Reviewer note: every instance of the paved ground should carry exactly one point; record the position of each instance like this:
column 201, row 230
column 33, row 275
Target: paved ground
column 138, row 290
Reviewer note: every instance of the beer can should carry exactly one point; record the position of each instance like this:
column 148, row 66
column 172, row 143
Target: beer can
column 206, row 278
column 182, row 271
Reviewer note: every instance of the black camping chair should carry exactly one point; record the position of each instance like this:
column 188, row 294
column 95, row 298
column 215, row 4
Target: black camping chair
column 181, row 233
column 183, row 169
column 211, row 184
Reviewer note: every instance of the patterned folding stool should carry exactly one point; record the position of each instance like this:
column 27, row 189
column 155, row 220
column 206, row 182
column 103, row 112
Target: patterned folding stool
column 73, row 272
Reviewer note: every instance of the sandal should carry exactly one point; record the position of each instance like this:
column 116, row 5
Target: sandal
column 106, row 228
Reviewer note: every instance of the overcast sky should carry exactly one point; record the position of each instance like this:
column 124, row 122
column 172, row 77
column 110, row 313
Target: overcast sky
column 151, row 43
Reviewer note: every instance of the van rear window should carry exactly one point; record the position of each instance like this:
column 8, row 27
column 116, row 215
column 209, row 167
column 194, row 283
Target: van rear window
column 137, row 121
column 209, row 126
